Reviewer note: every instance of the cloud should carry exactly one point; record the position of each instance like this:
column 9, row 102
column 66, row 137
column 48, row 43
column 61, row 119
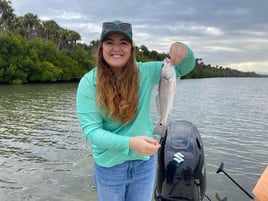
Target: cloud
column 224, row 32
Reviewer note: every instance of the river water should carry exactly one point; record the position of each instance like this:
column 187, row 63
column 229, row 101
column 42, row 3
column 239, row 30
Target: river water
column 44, row 157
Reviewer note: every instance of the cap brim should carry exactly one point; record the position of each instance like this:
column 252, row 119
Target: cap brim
column 115, row 31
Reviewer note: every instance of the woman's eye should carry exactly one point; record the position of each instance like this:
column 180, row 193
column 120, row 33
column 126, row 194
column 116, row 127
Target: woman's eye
column 109, row 42
column 124, row 43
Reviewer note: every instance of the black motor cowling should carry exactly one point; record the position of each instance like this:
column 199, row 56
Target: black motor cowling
column 181, row 172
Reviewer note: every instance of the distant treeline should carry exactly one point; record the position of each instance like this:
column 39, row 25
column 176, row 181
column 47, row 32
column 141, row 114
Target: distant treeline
column 32, row 50
column 202, row 70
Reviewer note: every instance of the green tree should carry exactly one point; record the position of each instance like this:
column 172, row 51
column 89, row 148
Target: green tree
column 14, row 76
column 6, row 15
column 66, row 39
column 94, row 44
column 49, row 72
column 12, row 52
column 73, row 37
column 50, row 28
column 32, row 23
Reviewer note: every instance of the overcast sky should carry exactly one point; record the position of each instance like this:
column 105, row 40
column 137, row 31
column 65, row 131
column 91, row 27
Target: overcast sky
column 228, row 33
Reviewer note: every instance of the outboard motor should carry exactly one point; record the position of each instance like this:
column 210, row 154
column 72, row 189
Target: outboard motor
column 181, row 172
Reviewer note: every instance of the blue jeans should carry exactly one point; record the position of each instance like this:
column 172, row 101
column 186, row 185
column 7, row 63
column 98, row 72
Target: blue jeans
column 129, row 181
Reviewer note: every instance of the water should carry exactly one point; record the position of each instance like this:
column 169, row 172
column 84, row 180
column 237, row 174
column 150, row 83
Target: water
column 43, row 154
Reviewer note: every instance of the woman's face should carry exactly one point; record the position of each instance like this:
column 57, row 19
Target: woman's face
column 116, row 51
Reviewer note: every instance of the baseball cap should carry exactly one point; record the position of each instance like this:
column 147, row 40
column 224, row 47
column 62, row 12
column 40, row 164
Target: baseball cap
column 116, row 26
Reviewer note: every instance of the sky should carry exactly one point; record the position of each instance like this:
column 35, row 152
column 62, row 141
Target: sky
column 227, row 33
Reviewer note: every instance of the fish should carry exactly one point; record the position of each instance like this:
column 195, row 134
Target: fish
column 164, row 99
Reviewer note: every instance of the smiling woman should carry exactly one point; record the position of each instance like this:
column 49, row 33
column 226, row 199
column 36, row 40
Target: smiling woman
column 113, row 106
column 116, row 51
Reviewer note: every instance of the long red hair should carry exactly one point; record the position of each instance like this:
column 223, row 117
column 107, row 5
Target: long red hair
column 118, row 97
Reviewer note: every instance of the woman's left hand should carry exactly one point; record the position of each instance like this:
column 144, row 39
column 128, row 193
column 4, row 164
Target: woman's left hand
column 144, row 145
column 177, row 53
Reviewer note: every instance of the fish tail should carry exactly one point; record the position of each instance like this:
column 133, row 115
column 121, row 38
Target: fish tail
column 160, row 130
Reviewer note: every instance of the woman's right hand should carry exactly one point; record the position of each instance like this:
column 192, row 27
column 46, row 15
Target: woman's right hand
column 144, row 145
column 177, row 53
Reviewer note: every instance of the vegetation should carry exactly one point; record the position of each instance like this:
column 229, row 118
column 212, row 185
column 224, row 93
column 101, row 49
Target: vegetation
column 41, row 51
column 202, row 70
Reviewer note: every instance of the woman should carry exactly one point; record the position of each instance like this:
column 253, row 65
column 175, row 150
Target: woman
column 113, row 106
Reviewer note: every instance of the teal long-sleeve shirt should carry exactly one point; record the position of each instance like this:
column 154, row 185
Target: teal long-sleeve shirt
column 109, row 139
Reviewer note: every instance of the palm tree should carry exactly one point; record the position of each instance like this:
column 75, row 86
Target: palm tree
column 94, row 44
column 50, row 29
column 6, row 14
column 66, row 38
column 62, row 35
column 32, row 23
column 73, row 38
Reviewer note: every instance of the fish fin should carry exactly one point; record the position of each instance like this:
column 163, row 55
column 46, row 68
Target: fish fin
column 160, row 130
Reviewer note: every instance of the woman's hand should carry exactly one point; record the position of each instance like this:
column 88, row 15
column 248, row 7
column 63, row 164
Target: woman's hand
column 177, row 53
column 144, row 145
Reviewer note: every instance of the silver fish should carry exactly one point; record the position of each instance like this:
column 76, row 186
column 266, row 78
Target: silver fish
column 164, row 99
